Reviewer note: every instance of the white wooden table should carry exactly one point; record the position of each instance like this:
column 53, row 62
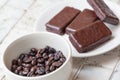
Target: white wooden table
column 17, row 18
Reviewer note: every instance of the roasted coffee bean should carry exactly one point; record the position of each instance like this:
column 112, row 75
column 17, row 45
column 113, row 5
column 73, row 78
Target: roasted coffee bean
column 22, row 56
column 51, row 58
column 46, row 72
column 45, row 56
column 34, row 62
column 30, row 74
column 57, row 64
column 48, row 63
column 16, row 71
column 63, row 59
column 52, row 50
column 28, row 60
column 51, row 55
column 38, row 55
column 56, row 57
column 59, row 53
column 32, row 53
column 47, row 49
column 19, row 68
column 26, row 69
column 26, row 57
column 42, row 51
column 32, row 57
column 38, row 62
column 33, row 69
column 38, row 51
column 27, row 65
column 52, row 68
column 13, row 68
column 47, row 68
column 34, row 50
column 14, row 62
column 40, row 70
column 19, row 62
column 24, row 73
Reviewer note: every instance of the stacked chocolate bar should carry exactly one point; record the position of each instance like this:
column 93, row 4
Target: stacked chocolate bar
column 59, row 23
column 86, row 29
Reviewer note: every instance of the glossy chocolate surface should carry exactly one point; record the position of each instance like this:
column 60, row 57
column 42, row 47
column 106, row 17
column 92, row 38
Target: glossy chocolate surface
column 59, row 22
column 103, row 11
column 90, row 36
column 84, row 18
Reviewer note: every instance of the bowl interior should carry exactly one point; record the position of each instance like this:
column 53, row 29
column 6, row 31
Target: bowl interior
column 35, row 40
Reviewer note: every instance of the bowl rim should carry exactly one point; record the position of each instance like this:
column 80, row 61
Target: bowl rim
column 42, row 76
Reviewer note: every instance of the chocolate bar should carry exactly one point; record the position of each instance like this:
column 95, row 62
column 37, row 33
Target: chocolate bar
column 59, row 22
column 84, row 18
column 90, row 36
column 103, row 11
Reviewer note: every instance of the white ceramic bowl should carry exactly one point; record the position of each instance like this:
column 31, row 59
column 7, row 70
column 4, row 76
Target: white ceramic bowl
column 38, row 40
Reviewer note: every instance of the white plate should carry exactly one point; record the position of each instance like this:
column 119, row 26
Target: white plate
column 82, row 4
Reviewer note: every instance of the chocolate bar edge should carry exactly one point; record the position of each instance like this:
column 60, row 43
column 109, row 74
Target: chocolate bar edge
column 92, row 46
column 102, row 16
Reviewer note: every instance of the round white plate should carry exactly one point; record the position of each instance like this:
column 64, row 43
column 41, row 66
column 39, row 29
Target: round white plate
column 82, row 4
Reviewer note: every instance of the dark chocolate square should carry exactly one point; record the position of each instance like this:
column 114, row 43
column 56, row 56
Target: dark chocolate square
column 59, row 22
column 90, row 36
column 84, row 18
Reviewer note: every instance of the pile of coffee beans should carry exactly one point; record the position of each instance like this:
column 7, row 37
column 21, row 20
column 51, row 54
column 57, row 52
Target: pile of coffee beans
column 38, row 62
